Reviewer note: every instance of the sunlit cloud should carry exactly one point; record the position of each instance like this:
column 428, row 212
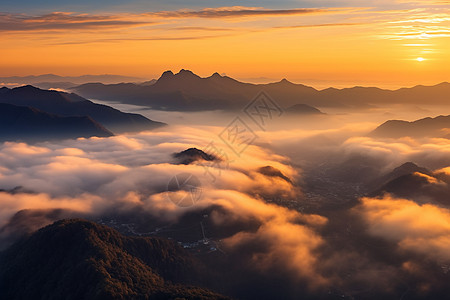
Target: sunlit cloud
column 62, row 21
column 68, row 20
column 317, row 25
column 420, row 25
column 422, row 229
column 236, row 12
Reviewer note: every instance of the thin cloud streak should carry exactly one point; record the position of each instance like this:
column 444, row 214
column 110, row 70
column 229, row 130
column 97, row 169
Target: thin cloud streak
column 161, row 38
column 64, row 21
column 236, row 11
column 61, row 21
column 318, row 25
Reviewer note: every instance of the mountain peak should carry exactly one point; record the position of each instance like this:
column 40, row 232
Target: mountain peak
column 191, row 155
column 305, row 109
column 410, row 167
column 273, row 172
column 27, row 87
column 408, row 164
column 186, row 73
column 166, row 74
column 182, row 74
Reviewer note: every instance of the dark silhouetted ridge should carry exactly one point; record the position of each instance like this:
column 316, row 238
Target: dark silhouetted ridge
column 19, row 123
column 398, row 178
column 77, row 259
column 191, row 155
column 273, row 172
column 427, row 127
column 72, row 105
column 166, row 75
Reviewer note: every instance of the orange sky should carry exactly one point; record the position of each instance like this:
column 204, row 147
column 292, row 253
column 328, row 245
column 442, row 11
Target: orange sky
column 325, row 46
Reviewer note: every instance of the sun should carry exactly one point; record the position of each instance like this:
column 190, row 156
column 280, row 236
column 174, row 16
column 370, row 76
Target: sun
column 420, row 59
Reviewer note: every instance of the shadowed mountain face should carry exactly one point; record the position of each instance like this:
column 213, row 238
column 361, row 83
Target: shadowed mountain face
column 410, row 181
column 405, row 169
column 419, row 187
column 273, row 172
column 65, row 104
column 19, row 123
column 77, row 259
column 427, row 127
column 26, row 222
column 191, row 155
column 186, row 91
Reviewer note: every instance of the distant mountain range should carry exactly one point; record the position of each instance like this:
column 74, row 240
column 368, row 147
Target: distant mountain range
column 186, row 91
column 51, row 114
column 427, row 127
column 78, row 259
column 18, row 123
column 51, row 78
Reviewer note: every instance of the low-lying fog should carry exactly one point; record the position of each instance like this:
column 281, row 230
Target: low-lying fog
column 312, row 227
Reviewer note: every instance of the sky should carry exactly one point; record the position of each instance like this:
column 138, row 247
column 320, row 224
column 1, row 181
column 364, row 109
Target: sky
column 334, row 42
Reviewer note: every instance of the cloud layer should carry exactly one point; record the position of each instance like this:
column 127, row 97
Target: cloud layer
column 97, row 176
column 422, row 229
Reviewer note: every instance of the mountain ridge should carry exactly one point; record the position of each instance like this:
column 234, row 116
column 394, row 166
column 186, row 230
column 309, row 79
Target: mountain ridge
column 73, row 105
column 425, row 127
column 186, row 91
column 20, row 123
column 79, row 259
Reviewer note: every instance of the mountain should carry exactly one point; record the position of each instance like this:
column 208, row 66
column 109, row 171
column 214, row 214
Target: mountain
column 303, row 109
column 427, row 127
column 273, row 172
column 363, row 96
column 19, row 123
column 74, row 79
column 65, row 104
column 410, row 181
column 55, row 85
column 78, row 259
column 191, row 155
column 407, row 168
column 25, row 222
column 148, row 83
column 186, row 91
column 419, row 187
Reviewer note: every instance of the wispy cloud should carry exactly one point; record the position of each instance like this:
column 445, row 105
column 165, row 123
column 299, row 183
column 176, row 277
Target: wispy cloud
column 64, row 21
column 61, row 21
column 318, row 25
column 200, row 28
column 419, row 28
column 425, row 2
column 235, row 11
column 155, row 38
column 69, row 20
